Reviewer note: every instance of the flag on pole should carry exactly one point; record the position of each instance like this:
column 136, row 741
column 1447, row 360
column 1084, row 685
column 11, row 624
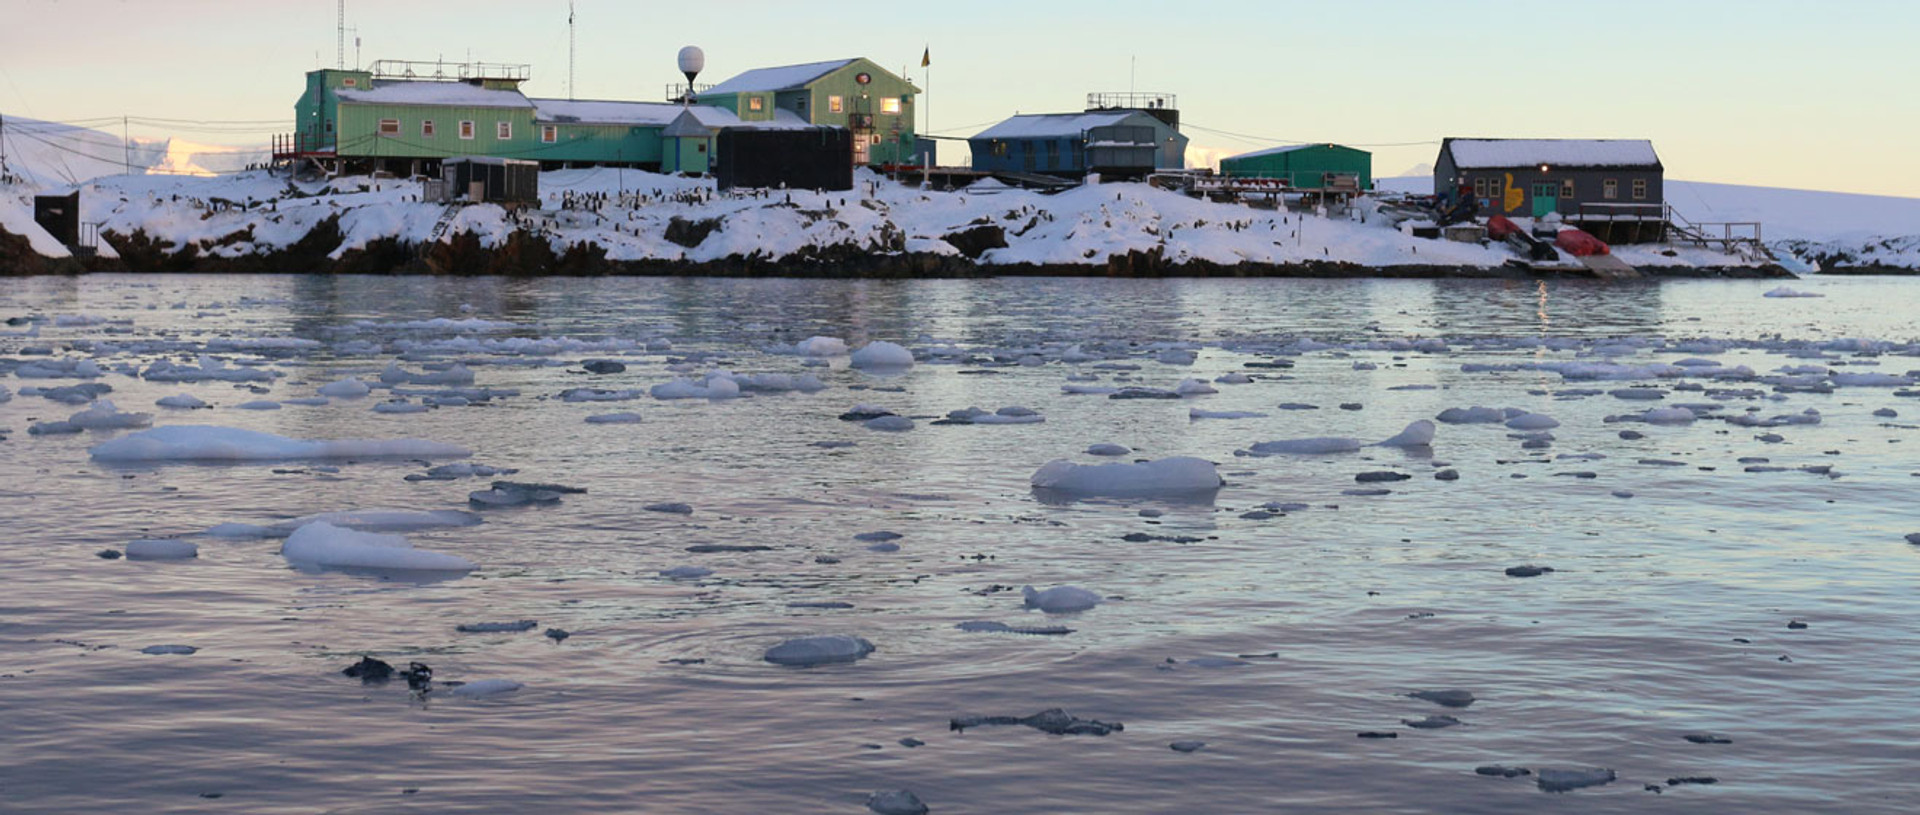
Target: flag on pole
column 926, row 57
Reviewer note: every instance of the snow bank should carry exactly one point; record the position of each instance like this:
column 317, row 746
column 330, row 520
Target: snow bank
column 325, row 545
column 214, row 443
column 1165, row 476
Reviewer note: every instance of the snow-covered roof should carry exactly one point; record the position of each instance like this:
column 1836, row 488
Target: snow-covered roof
column 1493, row 153
column 1274, row 151
column 701, row 121
column 781, row 78
column 449, row 94
column 1053, row 125
column 605, row 113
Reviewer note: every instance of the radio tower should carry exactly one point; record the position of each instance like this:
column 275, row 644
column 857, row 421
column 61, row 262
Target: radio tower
column 570, row 91
column 340, row 36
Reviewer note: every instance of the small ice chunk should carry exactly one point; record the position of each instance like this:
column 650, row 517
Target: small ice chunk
column 1306, row 447
column 487, row 688
column 1187, row 746
column 1672, row 415
column 159, row 650
column 891, row 424
column 496, row 628
column 1060, row 599
column 896, row 802
column 821, row 347
column 1194, row 387
column 1418, row 434
column 184, row 400
column 162, row 549
column 1554, row 779
column 348, row 388
column 1182, row 474
column 258, row 404
column 1472, row 415
column 398, row 406
column 821, row 650
column 1787, row 291
column 1197, row 414
column 1108, row 449
column 325, row 545
column 686, row 572
column 102, row 415
column 1532, row 421
column 614, row 418
column 882, row 355
column 672, row 508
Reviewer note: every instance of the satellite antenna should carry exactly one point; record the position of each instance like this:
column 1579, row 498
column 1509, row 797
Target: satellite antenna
column 692, row 62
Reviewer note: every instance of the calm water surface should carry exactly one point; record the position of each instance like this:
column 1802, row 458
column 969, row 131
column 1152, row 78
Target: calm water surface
column 1667, row 613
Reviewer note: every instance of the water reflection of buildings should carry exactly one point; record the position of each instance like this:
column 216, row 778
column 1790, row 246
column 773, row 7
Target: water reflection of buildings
column 1575, row 308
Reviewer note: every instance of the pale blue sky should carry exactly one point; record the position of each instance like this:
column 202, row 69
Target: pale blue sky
column 1788, row 93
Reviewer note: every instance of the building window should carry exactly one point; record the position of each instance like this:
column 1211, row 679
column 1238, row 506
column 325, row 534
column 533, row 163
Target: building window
column 1479, row 188
column 503, row 130
column 329, row 125
column 800, row 104
column 350, row 82
column 1639, row 189
column 999, row 149
column 890, row 104
column 1566, row 188
column 426, row 128
column 466, row 130
column 549, row 134
column 836, row 104
column 389, row 127
column 1610, row 189
column 756, row 103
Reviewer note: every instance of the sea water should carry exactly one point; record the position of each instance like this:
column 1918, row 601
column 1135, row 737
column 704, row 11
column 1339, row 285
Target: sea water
column 1275, row 634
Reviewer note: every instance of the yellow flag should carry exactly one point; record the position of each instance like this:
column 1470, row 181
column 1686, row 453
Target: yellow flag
column 926, row 57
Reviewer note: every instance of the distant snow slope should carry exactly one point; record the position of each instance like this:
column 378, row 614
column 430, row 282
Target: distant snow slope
column 49, row 155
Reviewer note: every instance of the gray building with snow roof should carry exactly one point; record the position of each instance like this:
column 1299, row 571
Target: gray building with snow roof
column 1581, row 179
column 1119, row 143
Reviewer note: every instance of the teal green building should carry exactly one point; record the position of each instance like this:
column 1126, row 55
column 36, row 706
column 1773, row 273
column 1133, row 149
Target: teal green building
column 1302, row 166
column 872, row 102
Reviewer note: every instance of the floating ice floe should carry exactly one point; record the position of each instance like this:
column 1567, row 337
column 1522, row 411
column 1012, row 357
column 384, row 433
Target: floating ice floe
column 169, row 650
column 821, row 650
column 686, row 572
column 1417, row 434
column 258, row 404
column 717, row 385
column 1196, row 413
column 896, row 802
column 102, row 415
column 598, row 395
column 614, row 418
column 161, row 549
column 1787, row 291
column 208, row 369
column 215, row 443
column 892, row 424
column 1108, row 449
column 1194, row 387
column 400, row 406
column 821, row 347
column 882, row 355
column 1672, row 415
column 497, row 628
column 1532, row 421
column 324, row 545
column 1059, row 599
column 345, row 389
column 486, row 688
column 364, row 520
column 185, row 401
column 1183, row 474
column 1554, row 779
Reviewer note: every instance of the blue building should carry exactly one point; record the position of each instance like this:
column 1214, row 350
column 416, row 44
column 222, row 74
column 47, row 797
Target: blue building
column 1114, row 143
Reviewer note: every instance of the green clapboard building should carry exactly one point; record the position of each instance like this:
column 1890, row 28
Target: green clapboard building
column 1302, row 166
column 872, row 102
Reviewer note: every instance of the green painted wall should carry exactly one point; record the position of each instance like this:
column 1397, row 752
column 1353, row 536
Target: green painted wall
column 686, row 155
column 359, row 132
column 318, row 106
column 814, row 103
column 597, row 143
column 1304, row 167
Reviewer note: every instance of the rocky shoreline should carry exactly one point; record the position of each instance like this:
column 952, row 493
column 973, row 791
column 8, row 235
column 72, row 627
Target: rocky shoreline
column 526, row 253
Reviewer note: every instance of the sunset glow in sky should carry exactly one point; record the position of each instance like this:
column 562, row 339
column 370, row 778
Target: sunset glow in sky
column 1814, row 95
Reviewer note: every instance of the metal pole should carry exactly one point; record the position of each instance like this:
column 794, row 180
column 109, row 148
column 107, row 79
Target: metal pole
column 126, row 137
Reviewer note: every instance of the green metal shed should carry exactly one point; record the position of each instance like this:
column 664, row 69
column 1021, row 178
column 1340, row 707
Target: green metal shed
column 1302, row 166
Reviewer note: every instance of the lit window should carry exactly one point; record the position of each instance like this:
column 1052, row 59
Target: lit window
column 426, row 128
column 389, row 127
column 836, row 104
column 1566, row 188
column 890, row 104
column 350, row 82
column 466, row 130
column 756, row 103
column 503, row 130
column 549, row 134
column 1610, row 189
column 1639, row 189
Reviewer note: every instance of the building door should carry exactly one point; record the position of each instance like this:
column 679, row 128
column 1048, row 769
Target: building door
column 861, row 149
column 1546, row 198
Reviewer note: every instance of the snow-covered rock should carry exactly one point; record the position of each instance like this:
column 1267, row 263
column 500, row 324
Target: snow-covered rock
column 1167, row 476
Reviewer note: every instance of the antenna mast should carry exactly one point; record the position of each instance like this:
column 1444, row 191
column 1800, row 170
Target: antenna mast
column 340, row 36
column 570, row 87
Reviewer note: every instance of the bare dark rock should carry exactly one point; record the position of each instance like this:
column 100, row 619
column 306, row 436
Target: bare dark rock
column 1380, row 476
column 1503, row 772
column 1431, row 722
column 1565, row 780
column 369, row 671
column 558, row 634
column 1448, row 474
column 1378, row 734
column 1692, row 779
column 1707, row 738
column 896, row 802
column 711, row 548
column 1445, row 698
column 690, row 233
column 603, row 366
column 1051, row 720
column 974, row 242
column 108, row 554
column 1528, row 571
